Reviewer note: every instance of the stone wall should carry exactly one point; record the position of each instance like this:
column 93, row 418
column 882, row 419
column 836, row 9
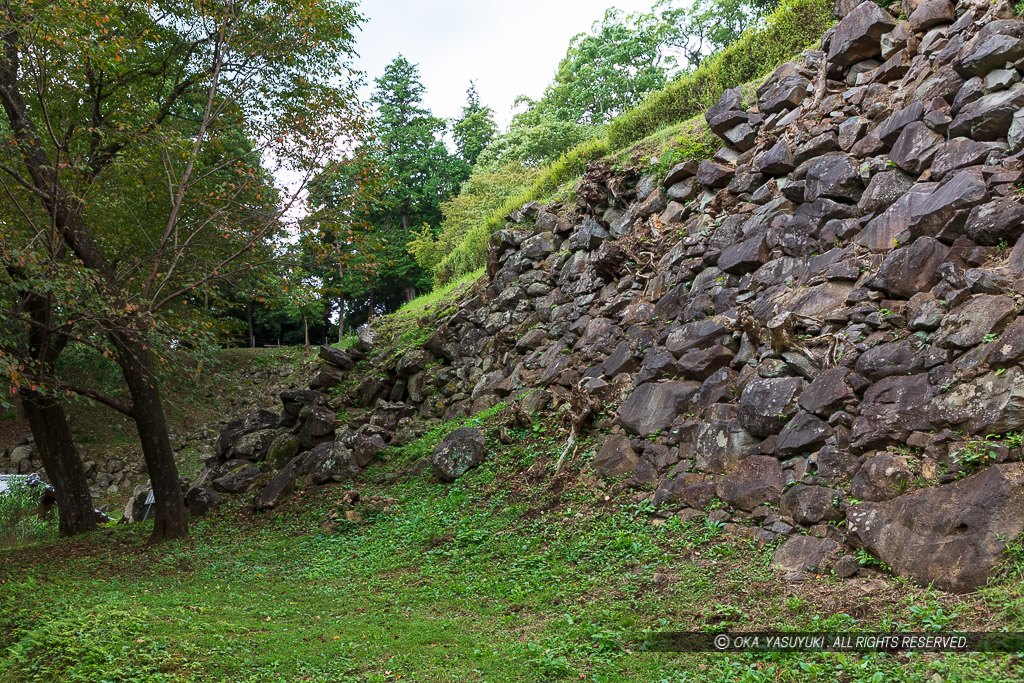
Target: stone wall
column 816, row 328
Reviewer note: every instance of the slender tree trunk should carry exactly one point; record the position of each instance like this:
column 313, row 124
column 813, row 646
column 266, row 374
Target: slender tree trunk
column 49, row 425
column 326, row 320
column 341, row 318
column 248, row 320
column 137, row 366
column 60, row 458
column 373, row 304
column 305, row 331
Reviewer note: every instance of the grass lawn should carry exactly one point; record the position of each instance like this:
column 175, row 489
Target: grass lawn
column 503, row 576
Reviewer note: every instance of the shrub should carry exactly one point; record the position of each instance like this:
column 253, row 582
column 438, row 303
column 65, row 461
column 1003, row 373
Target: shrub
column 697, row 143
column 791, row 28
column 20, row 521
column 483, row 194
column 471, row 253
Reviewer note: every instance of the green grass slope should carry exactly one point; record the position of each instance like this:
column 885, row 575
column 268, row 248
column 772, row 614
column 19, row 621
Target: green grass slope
column 507, row 575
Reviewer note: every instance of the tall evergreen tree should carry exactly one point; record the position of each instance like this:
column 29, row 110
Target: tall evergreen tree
column 420, row 173
column 475, row 129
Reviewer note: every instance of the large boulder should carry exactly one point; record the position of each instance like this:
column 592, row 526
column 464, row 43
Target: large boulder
column 830, row 391
column 990, row 404
column 803, row 434
column 833, row 176
column 726, row 113
column 998, row 221
column 969, row 324
column 783, row 91
column 254, row 445
column 329, row 461
column 236, row 429
column 895, row 358
column 721, row 445
column 858, row 36
column 237, row 480
column 988, row 117
column 950, row 536
column 909, row 270
column 893, row 408
column 652, row 407
column 696, row 335
column 713, row 175
column 200, row 501
column 931, row 13
column 327, row 377
column 317, row 425
column 336, row 357
column 457, row 453
column 915, row 148
column 988, row 51
column 745, row 257
column 811, row 504
column 883, row 477
column 278, row 487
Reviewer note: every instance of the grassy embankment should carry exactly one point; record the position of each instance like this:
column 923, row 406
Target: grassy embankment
column 507, row 575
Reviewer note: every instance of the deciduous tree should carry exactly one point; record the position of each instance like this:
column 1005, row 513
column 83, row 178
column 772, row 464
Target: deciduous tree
column 149, row 133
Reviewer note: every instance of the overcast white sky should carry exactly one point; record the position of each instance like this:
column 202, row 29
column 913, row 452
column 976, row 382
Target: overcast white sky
column 509, row 47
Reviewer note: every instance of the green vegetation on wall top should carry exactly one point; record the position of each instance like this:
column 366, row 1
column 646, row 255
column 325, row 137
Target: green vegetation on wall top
column 791, row 28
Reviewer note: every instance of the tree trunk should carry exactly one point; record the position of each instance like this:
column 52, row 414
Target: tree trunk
column 410, row 293
column 373, row 304
column 341, row 318
column 248, row 319
column 305, row 331
column 52, row 435
column 49, row 425
column 325, row 320
column 137, row 366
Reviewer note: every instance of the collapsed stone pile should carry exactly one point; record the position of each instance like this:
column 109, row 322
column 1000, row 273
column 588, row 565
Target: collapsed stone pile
column 811, row 331
column 104, row 476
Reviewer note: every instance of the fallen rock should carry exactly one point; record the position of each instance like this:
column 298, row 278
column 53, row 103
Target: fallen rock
column 327, row 462
column 616, row 458
column 238, row 480
column 858, row 35
column 457, row 453
column 804, row 554
column 278, row 487
column 336, row 357
column 200, row 501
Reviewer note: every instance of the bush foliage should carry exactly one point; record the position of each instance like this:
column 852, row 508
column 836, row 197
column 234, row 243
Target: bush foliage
column 794, row 26
column 20, row 521
column 471, row 252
